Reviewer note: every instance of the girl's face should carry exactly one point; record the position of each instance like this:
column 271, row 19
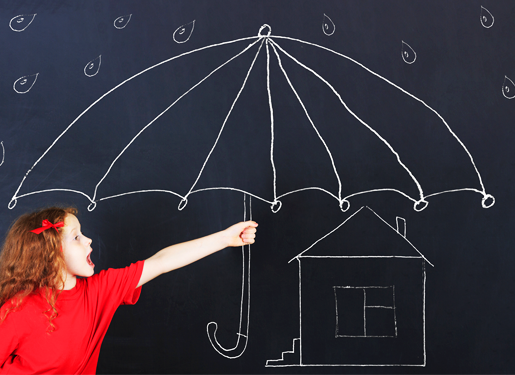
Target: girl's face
column 77, row 251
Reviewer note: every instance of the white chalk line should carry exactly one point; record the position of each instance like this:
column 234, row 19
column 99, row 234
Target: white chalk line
column 395, row 307
column 292, row 351
column 300, row 255
column 329, row 31
column 273, row 44
column 272, row 130
column 365, row 307
column 424, row 311
column 55, row 190
column 411, row 61
column 361, row 257
column 115, row 88
column 419, row 187
column 300, row 310
column 252, row 194
column 306, row 189
column 347, row 365
column 325, row 236
column 227, row 117
column 402, row 90
column 32, row 16
column 454, row 191
column 272, row 362
column 221, row 350
column 171, row 192
column 3, row 153
column 486, row 23
column 162, row 113
column 401, row 236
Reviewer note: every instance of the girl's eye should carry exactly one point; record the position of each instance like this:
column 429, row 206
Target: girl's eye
column 76, row 238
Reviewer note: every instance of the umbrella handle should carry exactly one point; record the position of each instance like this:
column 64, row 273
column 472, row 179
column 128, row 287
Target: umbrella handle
column 243, row 334
column 241, row 342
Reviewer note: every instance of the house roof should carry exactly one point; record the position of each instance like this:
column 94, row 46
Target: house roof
column 363, row 234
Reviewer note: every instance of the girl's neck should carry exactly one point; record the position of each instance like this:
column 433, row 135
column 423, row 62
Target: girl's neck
column 69, row 282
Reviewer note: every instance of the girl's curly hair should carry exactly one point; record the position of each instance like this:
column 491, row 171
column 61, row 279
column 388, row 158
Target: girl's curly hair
column 30, row 262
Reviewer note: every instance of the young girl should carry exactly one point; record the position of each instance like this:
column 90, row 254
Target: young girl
column 53, row 322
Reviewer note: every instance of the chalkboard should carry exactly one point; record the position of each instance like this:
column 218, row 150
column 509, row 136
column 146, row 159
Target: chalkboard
column 371, row 140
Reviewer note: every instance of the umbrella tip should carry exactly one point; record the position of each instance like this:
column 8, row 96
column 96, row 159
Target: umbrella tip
column 344, row 205
column 276, row 206
column 12, row 203
column 420, row 205
column 182, row 204
column 487, row 201
column 264, row 31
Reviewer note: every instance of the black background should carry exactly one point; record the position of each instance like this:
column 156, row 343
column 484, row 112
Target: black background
column 459, row 72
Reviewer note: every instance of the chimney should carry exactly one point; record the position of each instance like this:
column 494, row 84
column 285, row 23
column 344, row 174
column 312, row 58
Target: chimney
column 401, row 226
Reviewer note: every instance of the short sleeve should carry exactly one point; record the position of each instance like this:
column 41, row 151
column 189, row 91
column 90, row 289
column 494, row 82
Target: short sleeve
column 133, row 293
column 118, row 286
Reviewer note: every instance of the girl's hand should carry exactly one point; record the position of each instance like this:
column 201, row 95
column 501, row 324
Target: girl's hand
column 241, row 234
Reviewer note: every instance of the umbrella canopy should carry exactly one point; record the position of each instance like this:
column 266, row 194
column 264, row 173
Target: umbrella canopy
column 315, row 118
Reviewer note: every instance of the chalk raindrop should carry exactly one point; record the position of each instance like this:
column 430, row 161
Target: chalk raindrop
column 122, row 21
column 91, row 69
column 328, row 26
column 183, row 33
column 486, row 18
column 23, row 84
column 508, row 88
column 21, row 22
column 408, row 54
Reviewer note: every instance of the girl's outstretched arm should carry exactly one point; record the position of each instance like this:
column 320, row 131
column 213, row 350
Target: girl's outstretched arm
column 182, row 254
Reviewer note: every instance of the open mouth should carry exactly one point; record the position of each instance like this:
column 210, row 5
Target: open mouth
column 89, row 260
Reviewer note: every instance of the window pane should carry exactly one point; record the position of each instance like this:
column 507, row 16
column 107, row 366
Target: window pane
column 350, row 314
column 380, row 322
column 380, row 296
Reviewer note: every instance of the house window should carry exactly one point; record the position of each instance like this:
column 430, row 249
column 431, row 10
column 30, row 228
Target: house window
column 365, row 311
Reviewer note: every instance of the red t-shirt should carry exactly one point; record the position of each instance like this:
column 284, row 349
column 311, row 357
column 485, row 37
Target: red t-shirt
column 85, row 313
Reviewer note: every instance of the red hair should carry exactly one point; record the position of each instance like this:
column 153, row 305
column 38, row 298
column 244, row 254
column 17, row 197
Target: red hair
column 30, row 261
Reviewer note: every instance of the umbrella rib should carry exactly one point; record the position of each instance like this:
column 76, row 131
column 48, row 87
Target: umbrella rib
column 419, row 187
column 483, row 190
column 226, row 118
column 272, row 129
column 273, row 44
column 170, row 106
column 15, row 196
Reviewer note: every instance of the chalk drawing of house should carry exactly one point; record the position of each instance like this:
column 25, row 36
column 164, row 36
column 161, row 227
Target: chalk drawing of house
column 361, row 298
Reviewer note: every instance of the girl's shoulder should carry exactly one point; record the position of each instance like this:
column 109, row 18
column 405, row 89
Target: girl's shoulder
column 36, row 297
column 30, row 304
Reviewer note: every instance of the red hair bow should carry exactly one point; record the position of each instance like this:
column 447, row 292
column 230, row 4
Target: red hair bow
column 47, row 225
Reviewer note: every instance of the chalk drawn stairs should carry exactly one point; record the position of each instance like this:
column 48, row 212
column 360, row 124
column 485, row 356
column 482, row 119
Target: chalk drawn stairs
column 243, row 329
column 288, row 358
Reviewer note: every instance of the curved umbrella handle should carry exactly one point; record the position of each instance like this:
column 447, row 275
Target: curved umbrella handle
column 241, row 342
column 243, row 333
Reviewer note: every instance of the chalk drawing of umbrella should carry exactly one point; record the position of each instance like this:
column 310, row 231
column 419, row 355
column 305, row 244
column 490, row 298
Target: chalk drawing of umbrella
column 265, row 43
column 261, row 77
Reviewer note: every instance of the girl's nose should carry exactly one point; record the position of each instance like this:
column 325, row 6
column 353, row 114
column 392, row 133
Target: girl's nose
column 89, row 241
